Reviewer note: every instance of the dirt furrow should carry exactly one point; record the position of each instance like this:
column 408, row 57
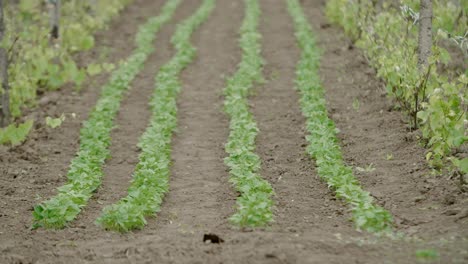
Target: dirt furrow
column 196, row 201
column 303, row 200
column 131, row 122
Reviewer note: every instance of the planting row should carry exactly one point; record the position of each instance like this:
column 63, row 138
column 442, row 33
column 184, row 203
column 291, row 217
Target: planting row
column 151, row 176
column 323, row 142
column 85, row 173
column 254, row 205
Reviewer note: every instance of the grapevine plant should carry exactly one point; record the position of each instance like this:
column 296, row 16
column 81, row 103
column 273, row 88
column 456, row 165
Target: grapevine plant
column 151, row 177
column 323, row 143
column 254, row 205
column 435, row 102
column 15, row 135
column 85, row 173
column 36, row 64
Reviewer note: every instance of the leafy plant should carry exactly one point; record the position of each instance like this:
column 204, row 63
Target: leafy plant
column 15, row 135
column 151, row 177
column 427, row 254
column 35, row 64
column 254, row 205
column 356, row 104
column 434, row 103
column 85, row 173
column 55, row 122
column 368, row 168
column 461, row 164
column 322, row 138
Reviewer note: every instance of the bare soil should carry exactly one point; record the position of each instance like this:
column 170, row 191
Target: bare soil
column 311, row 225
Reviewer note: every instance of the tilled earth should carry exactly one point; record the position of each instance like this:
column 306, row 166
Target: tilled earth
column 311, row 225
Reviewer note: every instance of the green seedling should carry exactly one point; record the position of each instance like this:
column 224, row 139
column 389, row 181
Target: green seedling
column 356, row 104
column 368, row 168
column 15, row 135
column 55, row 122
column 427, row 254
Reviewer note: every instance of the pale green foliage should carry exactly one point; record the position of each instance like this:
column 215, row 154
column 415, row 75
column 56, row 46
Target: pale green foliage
column 55, row 122
column 85, row 173
column 151, row 177
column 254, row 206
column 461, row 164
column 323, row 142
column 368, row 168
column 435, row 103
column 356, row 104
column 427, row 254
column 450, row 17
column 35, row 64
column 15, row 135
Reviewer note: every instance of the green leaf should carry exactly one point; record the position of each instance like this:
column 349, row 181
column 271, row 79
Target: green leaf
column 55, row 122
column 15, row 135
column 356, row 104
column 444, row 56
column 427, row 254
column 87, row 43
column 94, row 69
column 462, row 164
column 108, row 67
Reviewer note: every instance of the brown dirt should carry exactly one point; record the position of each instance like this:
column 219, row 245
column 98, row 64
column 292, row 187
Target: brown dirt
column 311, row 226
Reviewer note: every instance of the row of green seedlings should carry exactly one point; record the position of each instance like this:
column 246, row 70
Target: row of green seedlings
column 151, row 177
column 323, row 143
column 85, row 173
column 254, row 205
